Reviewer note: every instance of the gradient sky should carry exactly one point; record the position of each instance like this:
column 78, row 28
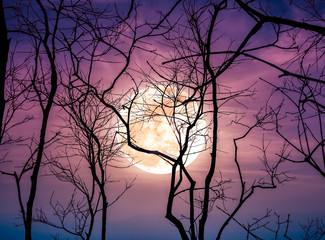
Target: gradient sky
column 139, row 214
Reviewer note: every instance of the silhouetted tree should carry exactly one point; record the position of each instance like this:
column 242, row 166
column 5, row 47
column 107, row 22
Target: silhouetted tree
column 89, row 142
column 42, row 77
column 12, row 90
column 197, row 76
column 194, row 45
column 198, row 58
column 301, row 82
column 96, row 34
column 4, row 42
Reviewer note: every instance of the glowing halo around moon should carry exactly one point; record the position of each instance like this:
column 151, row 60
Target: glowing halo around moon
column 158, row 121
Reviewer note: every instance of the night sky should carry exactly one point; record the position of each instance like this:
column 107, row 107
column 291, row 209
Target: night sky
column 140, row 212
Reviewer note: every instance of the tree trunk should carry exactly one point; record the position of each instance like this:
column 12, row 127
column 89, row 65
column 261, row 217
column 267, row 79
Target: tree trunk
column 4, row 49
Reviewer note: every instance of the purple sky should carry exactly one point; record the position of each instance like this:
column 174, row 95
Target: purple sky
column 140, row 213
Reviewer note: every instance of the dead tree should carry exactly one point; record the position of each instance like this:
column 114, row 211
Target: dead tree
column 95, row 38
column 301, row 80
column 42, row 78
column 4, row 42
column 199, row 74
column 12, row 89
column 89, row 142
column 194, row 49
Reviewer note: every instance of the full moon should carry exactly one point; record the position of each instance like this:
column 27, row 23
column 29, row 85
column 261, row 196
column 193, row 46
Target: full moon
column 158, row 120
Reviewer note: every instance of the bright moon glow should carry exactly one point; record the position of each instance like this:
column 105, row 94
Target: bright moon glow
column 158, row 121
